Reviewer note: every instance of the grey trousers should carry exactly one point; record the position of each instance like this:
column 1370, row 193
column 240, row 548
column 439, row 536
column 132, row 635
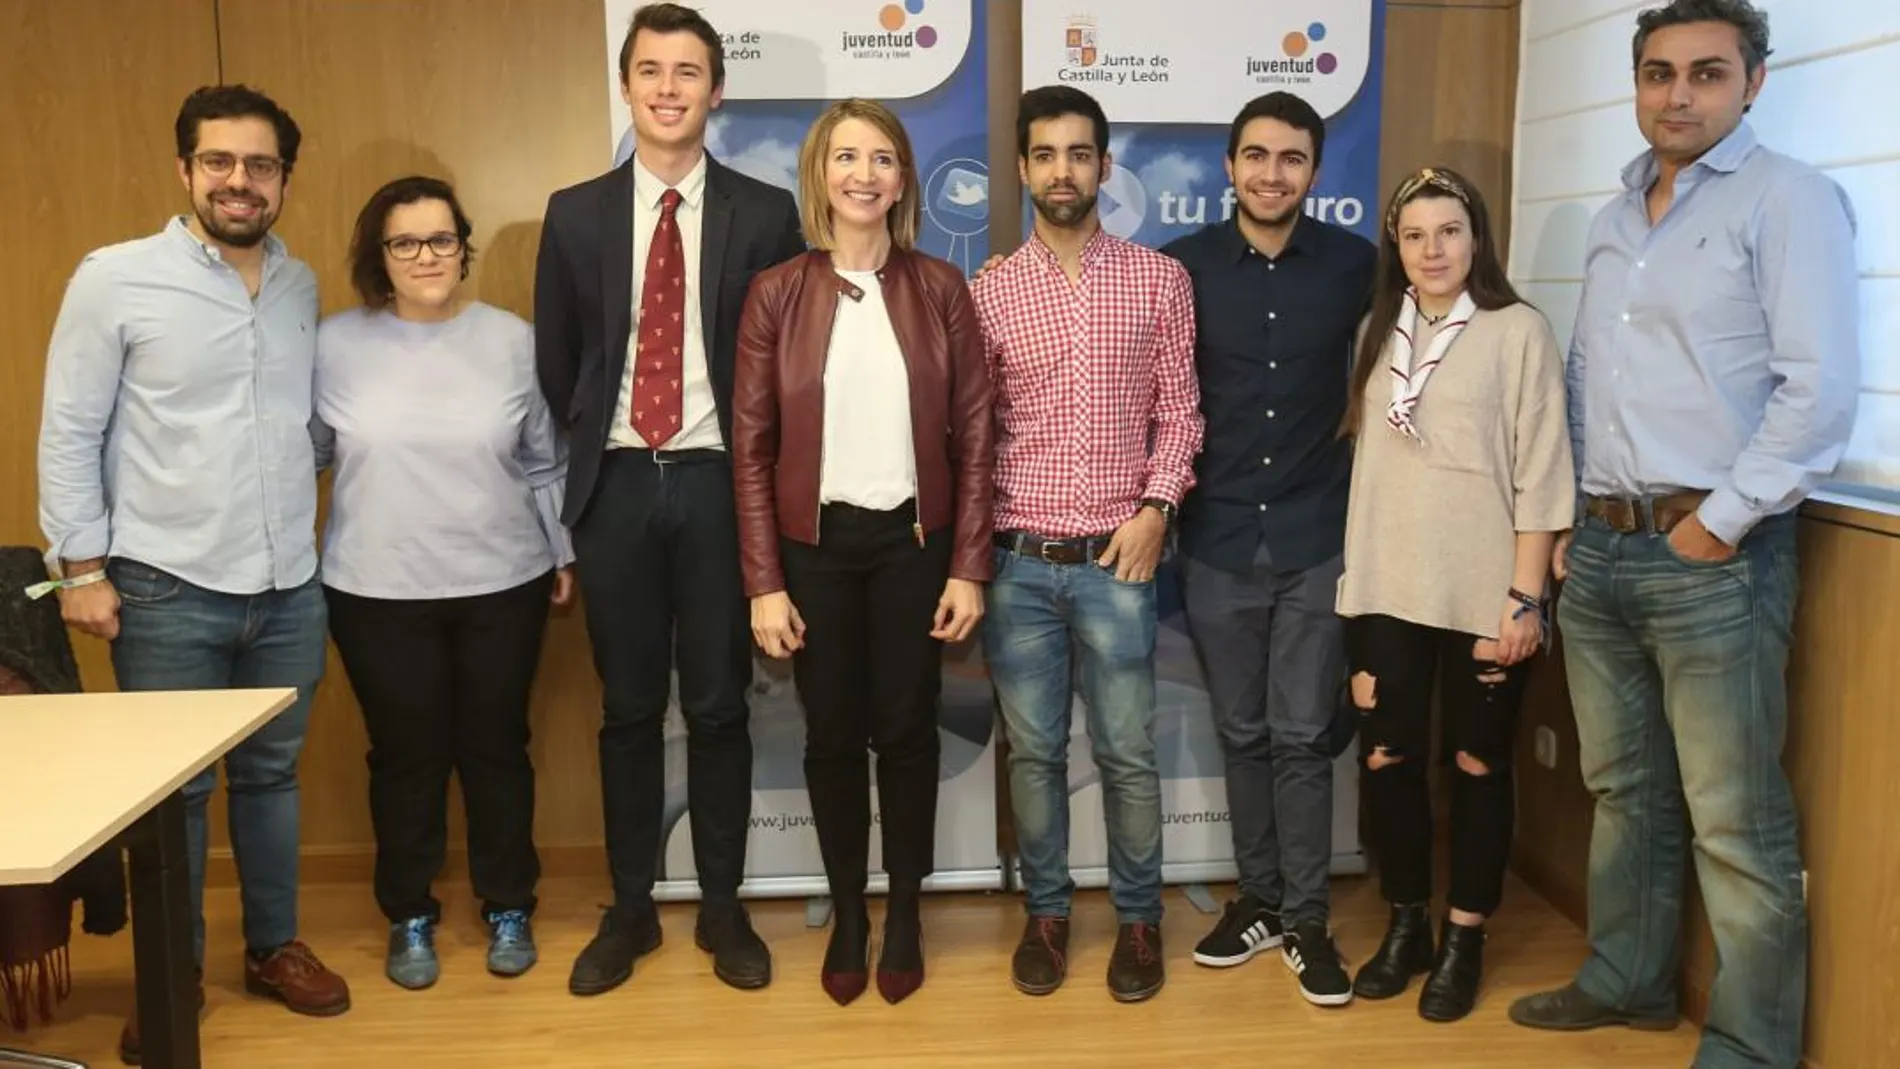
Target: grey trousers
column 1274, row 656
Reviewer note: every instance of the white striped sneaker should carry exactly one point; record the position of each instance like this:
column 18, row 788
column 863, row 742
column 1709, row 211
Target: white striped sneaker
column 1310, row 953
column 1247, row 927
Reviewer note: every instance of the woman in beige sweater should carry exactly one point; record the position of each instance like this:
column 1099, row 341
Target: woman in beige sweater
column 1461, row 477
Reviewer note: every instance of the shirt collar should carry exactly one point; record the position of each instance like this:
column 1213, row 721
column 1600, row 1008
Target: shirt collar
column 179, row 230
column 647, row 188
column 1235, row 246
column 1098, row 246
column 1725, row 156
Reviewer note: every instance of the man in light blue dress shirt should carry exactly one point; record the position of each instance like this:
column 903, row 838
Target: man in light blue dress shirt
column 1713, row 381
column 175, row 456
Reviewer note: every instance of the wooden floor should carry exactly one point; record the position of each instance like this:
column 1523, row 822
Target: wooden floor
column 674, row 1013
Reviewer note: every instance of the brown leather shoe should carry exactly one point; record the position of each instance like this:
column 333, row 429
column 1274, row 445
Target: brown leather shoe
column 293, row 975
column 129, row 1035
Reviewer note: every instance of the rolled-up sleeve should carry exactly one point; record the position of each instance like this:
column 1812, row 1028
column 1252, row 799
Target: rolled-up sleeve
column 83, row 365
column 1809, row 287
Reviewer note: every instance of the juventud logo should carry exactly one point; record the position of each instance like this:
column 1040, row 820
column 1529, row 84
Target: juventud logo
column 1205, row 816
column 897, row 38
column 1297, row 63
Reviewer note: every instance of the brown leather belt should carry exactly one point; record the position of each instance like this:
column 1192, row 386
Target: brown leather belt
column 1648, row 515
column 1053, row 550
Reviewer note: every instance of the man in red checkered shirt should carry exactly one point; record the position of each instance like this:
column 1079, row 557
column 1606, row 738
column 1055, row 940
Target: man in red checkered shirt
column 1091, row 349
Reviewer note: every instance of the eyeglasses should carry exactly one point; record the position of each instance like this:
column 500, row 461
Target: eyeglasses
column 408, row 248
column 257, row 168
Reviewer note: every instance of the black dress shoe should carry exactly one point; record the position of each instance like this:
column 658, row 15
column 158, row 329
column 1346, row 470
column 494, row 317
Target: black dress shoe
column 1452, row 989
column 607, row 961
column 1405, row 953
column 740, row 957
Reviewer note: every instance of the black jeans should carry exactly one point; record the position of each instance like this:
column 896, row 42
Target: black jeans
column 870, row 675
column 444, row 687
column 1480, row 720
column 658, row 561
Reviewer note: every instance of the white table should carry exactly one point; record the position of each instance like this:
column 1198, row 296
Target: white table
column 85, row 768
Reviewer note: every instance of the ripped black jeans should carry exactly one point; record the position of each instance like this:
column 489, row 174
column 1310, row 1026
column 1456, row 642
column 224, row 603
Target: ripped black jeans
column 1480, row 703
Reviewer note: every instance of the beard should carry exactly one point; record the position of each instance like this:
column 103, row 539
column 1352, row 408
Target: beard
column 239, row 234
column 1062, row 213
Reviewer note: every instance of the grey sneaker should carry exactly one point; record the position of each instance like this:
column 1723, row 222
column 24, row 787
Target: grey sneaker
column 1568, row 1009
column 511, row 943
column 412, row 962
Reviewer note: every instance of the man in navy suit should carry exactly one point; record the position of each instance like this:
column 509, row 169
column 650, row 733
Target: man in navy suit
column 639, row 284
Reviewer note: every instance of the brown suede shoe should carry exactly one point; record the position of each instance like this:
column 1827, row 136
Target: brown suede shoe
column 293, row 975
column 129, row 1035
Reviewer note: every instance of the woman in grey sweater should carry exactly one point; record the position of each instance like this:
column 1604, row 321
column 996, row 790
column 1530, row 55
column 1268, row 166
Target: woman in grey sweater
column 1457, row 492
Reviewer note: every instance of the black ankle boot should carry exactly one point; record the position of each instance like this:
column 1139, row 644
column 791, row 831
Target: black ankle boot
column 1406, row 952
column 1452, row 989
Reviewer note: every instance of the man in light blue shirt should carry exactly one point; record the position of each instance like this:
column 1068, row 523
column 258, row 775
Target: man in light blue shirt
column 1712, row 382
column 175, row 460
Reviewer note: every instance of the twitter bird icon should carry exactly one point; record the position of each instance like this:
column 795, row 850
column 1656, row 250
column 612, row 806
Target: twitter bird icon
column 964, row 193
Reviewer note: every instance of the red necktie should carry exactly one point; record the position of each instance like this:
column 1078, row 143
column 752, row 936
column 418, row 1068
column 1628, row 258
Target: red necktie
column 656, row 371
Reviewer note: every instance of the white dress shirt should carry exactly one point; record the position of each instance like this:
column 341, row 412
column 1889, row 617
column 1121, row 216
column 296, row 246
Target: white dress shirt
column 869, row 459
column 699, row 416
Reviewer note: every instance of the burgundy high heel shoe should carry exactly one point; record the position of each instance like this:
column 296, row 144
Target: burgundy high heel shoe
column 845, row 985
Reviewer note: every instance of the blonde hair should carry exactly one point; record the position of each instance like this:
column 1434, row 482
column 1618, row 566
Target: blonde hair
column 814, row 211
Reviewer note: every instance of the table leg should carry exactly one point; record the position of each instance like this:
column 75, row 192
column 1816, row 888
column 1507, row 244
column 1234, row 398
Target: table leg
column 161, row 938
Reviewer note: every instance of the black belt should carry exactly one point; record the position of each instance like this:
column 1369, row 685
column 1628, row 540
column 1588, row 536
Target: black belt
column 1054, row 550
column 664, row 457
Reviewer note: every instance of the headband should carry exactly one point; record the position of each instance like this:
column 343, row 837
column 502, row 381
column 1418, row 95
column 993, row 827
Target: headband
column 1430, row 176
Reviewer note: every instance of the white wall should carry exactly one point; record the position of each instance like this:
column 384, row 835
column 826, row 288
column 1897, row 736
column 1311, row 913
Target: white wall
column 1832, row 98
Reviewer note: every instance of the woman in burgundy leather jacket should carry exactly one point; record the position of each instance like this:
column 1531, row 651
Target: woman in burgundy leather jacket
column 861, row 445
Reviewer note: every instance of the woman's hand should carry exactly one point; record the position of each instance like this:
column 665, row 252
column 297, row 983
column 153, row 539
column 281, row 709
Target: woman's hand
column 1520, row 633
column 776, row 625
column 957, row 611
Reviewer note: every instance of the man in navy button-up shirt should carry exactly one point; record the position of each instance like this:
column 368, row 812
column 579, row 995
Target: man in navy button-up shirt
column 1712, row 386
column 1278, row 298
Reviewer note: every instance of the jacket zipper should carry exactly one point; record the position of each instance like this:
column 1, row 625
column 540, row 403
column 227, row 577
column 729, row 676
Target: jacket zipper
column 824, row 363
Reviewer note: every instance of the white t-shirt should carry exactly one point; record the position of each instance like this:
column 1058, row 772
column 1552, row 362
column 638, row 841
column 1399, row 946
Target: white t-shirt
column 870, row 459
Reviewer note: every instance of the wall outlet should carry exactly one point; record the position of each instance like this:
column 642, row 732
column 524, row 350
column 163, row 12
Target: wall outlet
column 1544, row 744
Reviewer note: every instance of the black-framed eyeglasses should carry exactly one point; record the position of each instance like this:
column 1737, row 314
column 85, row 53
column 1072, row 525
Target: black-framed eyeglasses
column 408, row 248
column 257, row 168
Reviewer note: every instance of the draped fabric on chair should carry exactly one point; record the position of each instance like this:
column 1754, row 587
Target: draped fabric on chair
column 36, row 657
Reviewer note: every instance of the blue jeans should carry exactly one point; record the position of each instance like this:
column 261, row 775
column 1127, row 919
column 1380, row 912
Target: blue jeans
column 1676, row 672
column 1042, row 620
column 177, row 636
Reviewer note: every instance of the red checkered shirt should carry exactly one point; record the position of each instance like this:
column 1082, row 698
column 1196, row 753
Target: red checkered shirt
column 1097, row 404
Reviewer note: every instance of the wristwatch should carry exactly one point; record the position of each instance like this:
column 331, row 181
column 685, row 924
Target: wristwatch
column 1164, row 507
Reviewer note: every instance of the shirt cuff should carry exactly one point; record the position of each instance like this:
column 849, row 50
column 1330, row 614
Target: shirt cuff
column 1167, row 487
column 548, row 501
column 86, row 543
column 1728, row 517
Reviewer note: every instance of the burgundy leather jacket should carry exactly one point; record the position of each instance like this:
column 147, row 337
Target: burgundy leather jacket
column 778, row 407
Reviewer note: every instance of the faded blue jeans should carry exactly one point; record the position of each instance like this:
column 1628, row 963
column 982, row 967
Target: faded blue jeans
column 1049, row 626
column 177, row 636
column 1676, row 672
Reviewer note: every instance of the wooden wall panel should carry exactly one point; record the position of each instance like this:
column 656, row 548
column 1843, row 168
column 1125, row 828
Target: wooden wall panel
column 1843, row 735
column 86, row 159
column 1451, row 98
column 504, row 98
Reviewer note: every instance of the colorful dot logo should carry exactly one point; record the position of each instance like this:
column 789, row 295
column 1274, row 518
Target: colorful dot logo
column 893, row 16
column 1297, row 44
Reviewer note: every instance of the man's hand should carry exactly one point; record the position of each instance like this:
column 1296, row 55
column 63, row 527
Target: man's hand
column 1560, row 555
column 1135, row 549
column 563, row 593
column 92, row 609
column 1693, row 541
